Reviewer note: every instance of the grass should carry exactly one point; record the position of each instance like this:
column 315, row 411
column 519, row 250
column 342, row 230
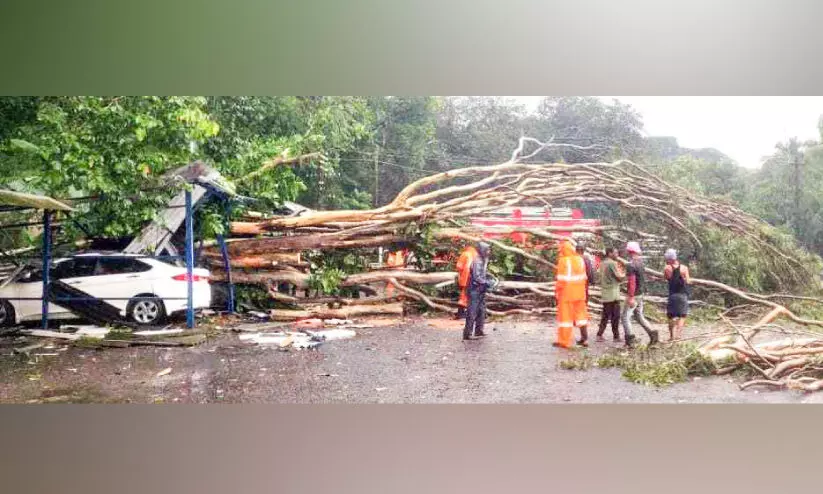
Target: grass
column 119, row 334
column 87, row 342
column 582, row 362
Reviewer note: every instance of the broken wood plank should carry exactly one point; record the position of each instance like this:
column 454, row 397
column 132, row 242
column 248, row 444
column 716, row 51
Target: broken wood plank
column 258, row 327
column 144, row 343
column 157, row 235
column 42, row 333
column 28, row 349
column 158, row 332
column 343, row 313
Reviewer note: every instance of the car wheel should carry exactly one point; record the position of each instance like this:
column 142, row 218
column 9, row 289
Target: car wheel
column 146, row 310
column 6, row 314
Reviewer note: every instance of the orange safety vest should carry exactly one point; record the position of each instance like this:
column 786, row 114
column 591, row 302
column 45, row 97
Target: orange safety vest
column 464, row 265
column 570, row 275
column 395, row 260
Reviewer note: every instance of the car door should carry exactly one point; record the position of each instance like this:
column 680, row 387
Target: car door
column 29, row 294
column 118, row 279
column 78, row 273
column 30, row 289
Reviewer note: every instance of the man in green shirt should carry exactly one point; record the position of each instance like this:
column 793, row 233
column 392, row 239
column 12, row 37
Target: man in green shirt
column 611, row 274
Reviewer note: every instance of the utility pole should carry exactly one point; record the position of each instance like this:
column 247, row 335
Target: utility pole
column 376, row 174
column 796, row 161
column 376, row 198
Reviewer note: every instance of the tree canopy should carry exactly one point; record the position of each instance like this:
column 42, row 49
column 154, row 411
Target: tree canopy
column 359, row 151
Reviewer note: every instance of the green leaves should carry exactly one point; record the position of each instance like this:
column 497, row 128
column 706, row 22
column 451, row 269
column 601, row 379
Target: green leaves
column 327, row 281
column 24, row 146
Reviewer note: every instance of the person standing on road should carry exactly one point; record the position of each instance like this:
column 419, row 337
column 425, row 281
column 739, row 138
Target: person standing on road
column 478, row 283
column 677, row 308
column 581, row 251
column 570, row 291
column 611, row 275
column 636, row 275
column 464, row 263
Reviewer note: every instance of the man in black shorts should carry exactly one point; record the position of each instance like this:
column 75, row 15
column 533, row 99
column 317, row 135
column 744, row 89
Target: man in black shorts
column 678, row 304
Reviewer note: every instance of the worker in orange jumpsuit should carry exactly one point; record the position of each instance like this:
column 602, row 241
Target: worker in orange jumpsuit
column 464, row 264
column 570, row 291
column 395, row 260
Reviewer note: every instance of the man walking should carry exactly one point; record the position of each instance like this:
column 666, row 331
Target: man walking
column 636, row 274
column 611, row 275
column 677, row 308
column 478, row 283
column 570, row 291
column 464, row 263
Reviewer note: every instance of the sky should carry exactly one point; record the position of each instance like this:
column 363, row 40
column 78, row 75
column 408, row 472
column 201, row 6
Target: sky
column 745, row 128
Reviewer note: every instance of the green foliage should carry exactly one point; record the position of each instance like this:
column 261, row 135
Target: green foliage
column 120, row 334
column 584, row 361
column 659, row 366
column 118, row 147
column 253, row 296
column 503, row 263
column 327, row 280
column 112, row 147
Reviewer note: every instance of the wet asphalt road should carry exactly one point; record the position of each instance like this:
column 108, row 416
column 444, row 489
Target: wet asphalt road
column 418, row 361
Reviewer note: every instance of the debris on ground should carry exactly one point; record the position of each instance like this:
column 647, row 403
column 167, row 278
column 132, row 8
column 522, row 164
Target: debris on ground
column 309, row 323
column 282, row 340
column 92, row 331
column 26, row 350
column 338, row 322
column 42, row 333
column 164, row 372
column 297, row 339
column 158, row 332
column 258, row 327
column 333, row 334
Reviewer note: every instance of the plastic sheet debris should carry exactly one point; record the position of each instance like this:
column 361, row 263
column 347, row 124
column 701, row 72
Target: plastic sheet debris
column 338, row 322
column 300, row 340
column 92, row 331
column 333, row 334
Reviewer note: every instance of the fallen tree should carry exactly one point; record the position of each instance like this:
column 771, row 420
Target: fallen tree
column 434, row 212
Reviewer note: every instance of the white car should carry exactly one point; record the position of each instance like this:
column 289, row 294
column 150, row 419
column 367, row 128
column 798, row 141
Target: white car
column 145, row 290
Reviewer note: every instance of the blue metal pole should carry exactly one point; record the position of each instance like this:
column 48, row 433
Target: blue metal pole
column 46, row 266
column 224, row 251
column 189, row 261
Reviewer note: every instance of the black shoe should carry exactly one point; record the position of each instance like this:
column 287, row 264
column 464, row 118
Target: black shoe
column 630, row 341
column 479, row 335
column 654, row 338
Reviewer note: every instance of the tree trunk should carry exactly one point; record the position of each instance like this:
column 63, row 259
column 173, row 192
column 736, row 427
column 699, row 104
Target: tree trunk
column 345, row 312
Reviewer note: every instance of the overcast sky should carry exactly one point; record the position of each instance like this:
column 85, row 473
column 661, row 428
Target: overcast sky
column 746, row 128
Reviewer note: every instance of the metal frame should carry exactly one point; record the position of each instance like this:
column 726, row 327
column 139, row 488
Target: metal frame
column 189, row 254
